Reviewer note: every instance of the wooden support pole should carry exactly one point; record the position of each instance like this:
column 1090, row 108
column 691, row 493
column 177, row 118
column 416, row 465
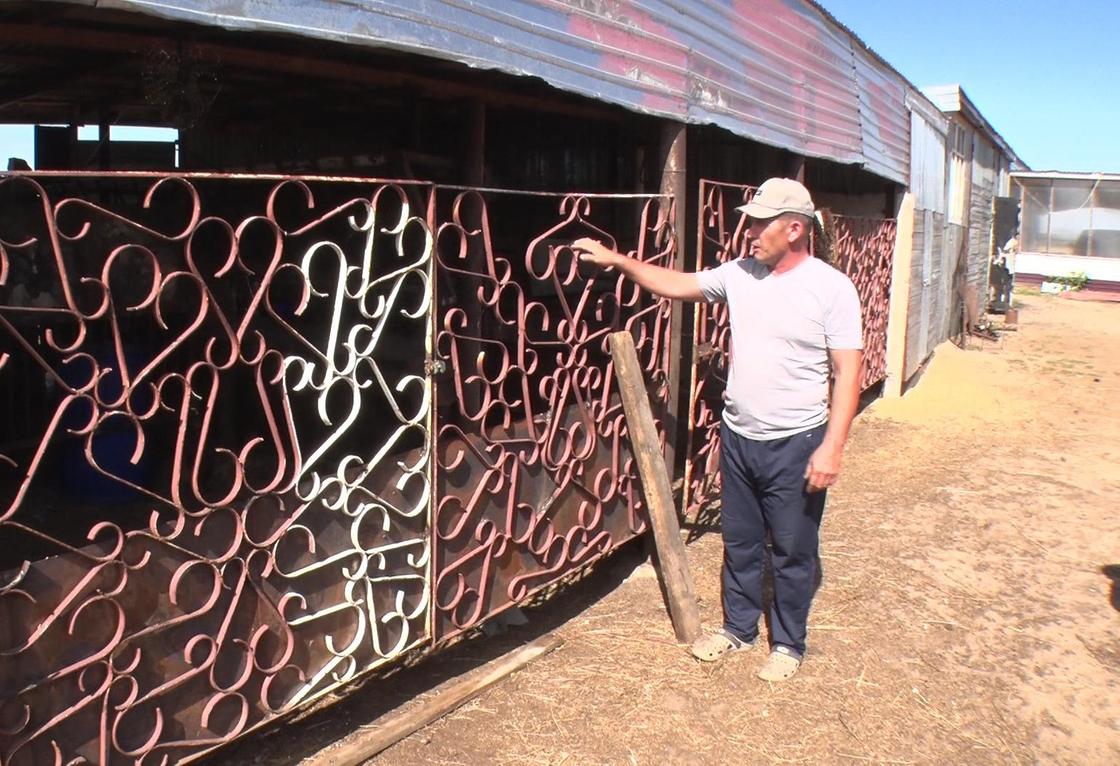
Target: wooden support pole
column 797, row 168
column 898, row 318
column 475, row 166
column 672, row 570
column 674, row 182
column 392, row 728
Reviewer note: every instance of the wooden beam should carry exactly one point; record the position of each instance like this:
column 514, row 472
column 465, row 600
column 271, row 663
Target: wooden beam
column 674, row 182
column 797, row 168
column 386, row 731
column 672, row 560
column 317, row 66
column 898, row 318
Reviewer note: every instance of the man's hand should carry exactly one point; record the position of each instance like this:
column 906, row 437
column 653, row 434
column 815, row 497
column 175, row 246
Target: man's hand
column 668, row 283
column 823, row 467
column 594, row 252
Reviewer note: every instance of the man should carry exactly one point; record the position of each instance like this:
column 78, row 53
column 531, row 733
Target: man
column 996, row 280
column 1010, row 251
column 792, row 316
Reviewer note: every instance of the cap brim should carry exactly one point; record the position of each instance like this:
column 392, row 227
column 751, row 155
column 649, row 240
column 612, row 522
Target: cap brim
column 754, row 210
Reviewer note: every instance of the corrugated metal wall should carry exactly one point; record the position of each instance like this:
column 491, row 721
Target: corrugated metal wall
column 954, row 176
column 777, row 71
column 927, row 304
column 885, row 121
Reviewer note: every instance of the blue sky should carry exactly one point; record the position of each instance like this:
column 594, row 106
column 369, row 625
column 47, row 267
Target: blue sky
column 19, row 141
column 1044, row 74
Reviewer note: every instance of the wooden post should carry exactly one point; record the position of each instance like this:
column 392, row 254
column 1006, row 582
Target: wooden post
column 898, row 318
column 674, row 180
column 359, row 747
column 475, row 170
column 797, row 168
column 672, row 570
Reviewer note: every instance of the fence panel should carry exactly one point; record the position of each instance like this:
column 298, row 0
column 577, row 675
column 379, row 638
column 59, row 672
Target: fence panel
column 534, row 477
column 720, row 237
column 215, row 480
column 863, row 248
column 226, row 399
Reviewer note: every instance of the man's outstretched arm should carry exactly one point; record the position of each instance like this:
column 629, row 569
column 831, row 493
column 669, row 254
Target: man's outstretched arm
column 677, row 285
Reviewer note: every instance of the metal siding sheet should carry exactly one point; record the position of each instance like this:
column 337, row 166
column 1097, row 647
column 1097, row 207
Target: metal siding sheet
column 939, row 290
column 927, row 166
column 949, row 252
column 777, row 71
column 884, row 118
column 918, row 298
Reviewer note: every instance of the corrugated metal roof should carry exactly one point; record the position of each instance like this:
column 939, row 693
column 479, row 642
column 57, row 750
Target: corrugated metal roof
column 884, row 116
column 1044, row 175
column 782, row 72
column 952, row 98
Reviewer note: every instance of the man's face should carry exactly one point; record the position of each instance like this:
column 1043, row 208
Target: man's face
column 769, row 240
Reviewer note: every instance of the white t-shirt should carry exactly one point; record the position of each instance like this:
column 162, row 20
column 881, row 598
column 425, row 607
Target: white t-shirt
column 782, row 327
column 1010, row 250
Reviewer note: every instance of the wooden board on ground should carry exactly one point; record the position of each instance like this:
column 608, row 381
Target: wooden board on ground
column 672, row 569
column 386, row 731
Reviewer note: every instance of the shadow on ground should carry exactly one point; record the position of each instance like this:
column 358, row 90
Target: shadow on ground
column 287, row 741
column 1112, row 572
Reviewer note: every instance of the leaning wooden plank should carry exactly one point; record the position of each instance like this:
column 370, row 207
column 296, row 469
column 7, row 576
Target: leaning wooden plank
column 395, row 726
column 673, row 571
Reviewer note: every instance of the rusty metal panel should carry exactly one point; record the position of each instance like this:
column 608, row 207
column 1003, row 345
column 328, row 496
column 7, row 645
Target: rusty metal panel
column 214, row 493
column 863, row 248
column 884, row 118
column 720, row 237
column 928, row 183
column 534, row 477
column 777, row 71
column 982, row 202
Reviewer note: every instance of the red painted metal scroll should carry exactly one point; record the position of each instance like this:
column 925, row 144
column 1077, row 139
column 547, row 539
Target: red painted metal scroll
column 863, row 248
column 534, row 477
column 721, row 237
column 215, row 459
column 221, row 425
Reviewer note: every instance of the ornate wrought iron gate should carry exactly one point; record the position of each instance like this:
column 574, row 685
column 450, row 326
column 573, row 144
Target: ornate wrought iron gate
column 265, row 434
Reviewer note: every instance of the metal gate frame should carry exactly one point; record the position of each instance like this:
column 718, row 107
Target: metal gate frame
column 246, row 494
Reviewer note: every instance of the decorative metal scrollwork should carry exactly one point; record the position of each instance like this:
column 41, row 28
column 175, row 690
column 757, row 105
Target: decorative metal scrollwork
column 215, row 467
column 534, row 473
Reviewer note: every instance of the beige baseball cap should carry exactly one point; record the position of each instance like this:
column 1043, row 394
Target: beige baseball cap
column 777, row 196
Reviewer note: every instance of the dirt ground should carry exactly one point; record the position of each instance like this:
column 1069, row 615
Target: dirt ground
column 969, row 611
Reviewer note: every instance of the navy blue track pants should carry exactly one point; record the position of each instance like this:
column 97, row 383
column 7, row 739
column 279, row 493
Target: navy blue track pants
column 764, row 491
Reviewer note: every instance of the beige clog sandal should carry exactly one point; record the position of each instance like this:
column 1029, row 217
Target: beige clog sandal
column 780, row 665
column 713, row 646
